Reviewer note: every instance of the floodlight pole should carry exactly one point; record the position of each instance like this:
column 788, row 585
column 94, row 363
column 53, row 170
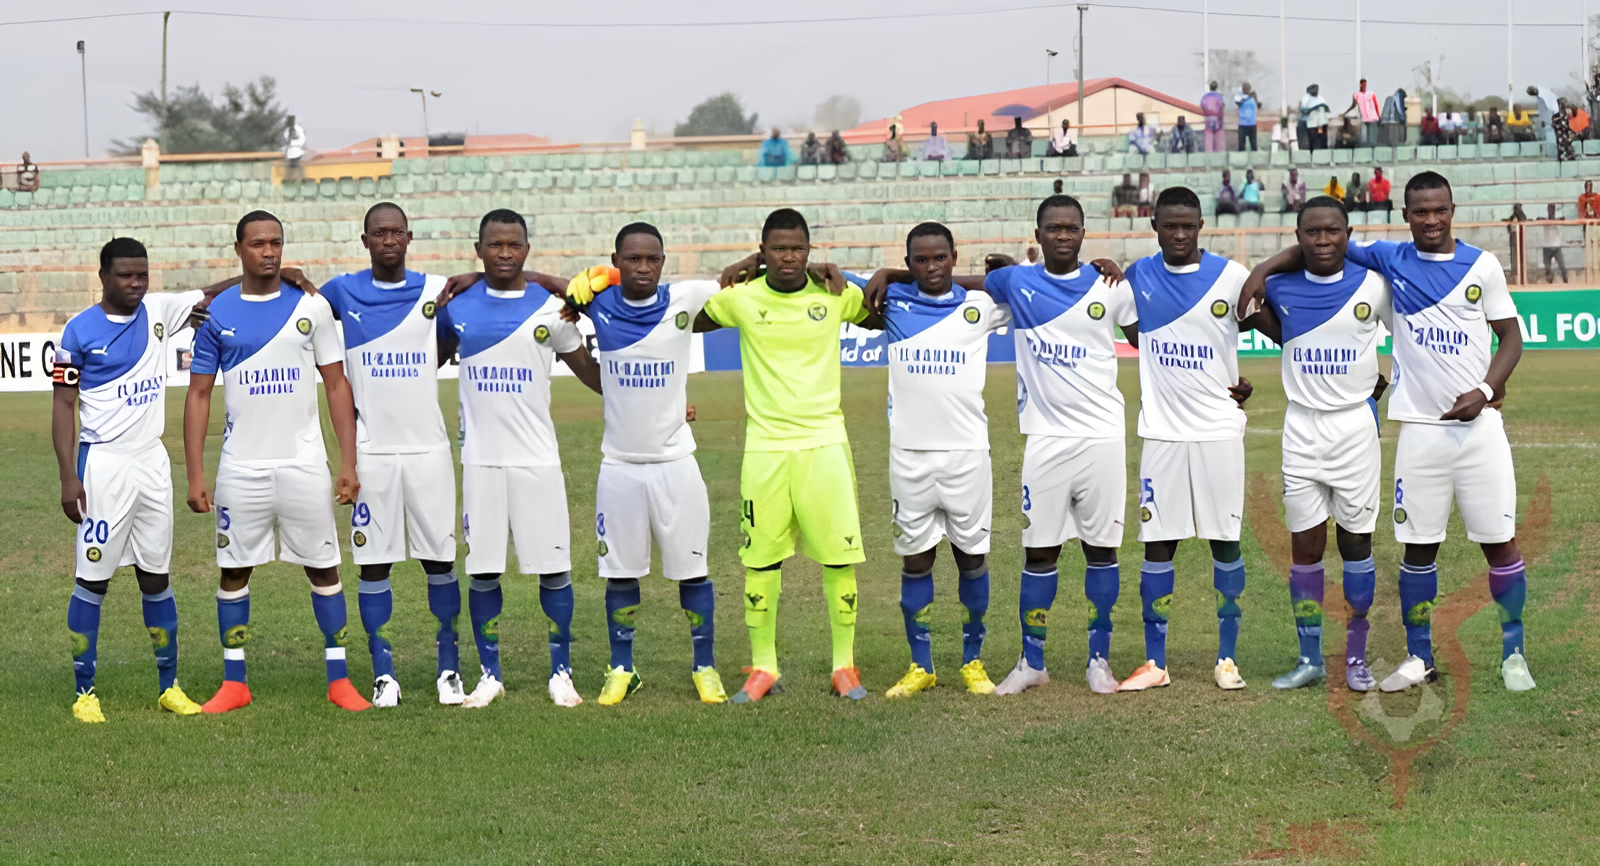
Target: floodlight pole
column 1082, row 8
column 1283, row 57
column 165, row 17
column 1358, row 43
column 83, row 67
column 422, row 92
column 1205, row 43
column 1511, row 88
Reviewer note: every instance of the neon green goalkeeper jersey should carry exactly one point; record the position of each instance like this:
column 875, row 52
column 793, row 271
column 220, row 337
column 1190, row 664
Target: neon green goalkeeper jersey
column 789, row 349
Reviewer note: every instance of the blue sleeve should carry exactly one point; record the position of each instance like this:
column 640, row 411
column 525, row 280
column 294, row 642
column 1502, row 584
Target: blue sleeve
column 446, row 332
column 333, row 292
column 207, row 350
column 855, row 279
column 1375, row 256
column 998, row 284
column 72, row 344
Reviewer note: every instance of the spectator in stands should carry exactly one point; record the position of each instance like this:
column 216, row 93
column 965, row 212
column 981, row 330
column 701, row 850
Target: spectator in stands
column 838, row 152
column 995, row 261
column 1019, row 141
column 1512, row 233
column 1349, row 135
column 1392, row 120
column 294, row 142
column 1355, row 195
column 1378, row 192
column 935, row 148
column 1519, row 125
column 1548, row 107
column 1589, row 202
column 1211, row 108
column 1551, row 244
column 1125, row 198
column 1250, row 193
column 775, row 151
column 1315, row 111
column 1147, row 195
column 811, row 150
column 1333, row 189
column 1365, row 105
column 980, row 144
column 1282, row 135
column 1430, row 128
column 1142, row 137
column 1059, row 185
column 1471, row 125
column 1561, row 122
column 1227, row 199
column 894, row 147
column 1494, row 127
column 1449, row 126
column 1032, row 260
column 1247, row 103
column 1063, row 142
column 1294, row 192
column 1181, row 138
column 1578, row 120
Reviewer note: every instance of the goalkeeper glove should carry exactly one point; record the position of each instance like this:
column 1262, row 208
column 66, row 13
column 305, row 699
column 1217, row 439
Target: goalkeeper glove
column 591, row 282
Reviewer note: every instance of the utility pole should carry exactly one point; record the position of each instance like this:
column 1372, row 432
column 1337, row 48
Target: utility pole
column 424, row 94
column 165, row 17
column 1082, row 8
column 1048, row 53
column 1205, row 43
column 83, row 66
column 1511, row 88
column 1283, row 57
column 1358, row 44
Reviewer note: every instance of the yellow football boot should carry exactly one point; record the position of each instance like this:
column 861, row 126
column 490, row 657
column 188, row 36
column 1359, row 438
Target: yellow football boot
column 173, row 700
column 709, row 684
column 87, row 708
column 619, row 684
column 976, row 678
column 915, row 680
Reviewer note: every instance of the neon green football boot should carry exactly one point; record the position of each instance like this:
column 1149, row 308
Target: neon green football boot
column 709, row 684
column 916, row 680
column 173, row 700
column 620, row 683
column 87, row 708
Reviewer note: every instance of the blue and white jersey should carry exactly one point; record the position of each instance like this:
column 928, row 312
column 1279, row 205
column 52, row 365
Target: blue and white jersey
column 266, row 350
column 1443, row 304
column 1331, row 333
column 1188, row 348
column 391, row 354
column 645, row 352
column 119, row 364
column 1065, row 332
column 507, row 342
column 938, row 360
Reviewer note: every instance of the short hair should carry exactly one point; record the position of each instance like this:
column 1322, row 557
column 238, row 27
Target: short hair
column 502, row 215
column 255, row 216
column 1326, row 201
column 784, row 219
column 1176, row 196
column 930, row 230
column 384, row 205
column 995, row 261
column 1426, row 180
column 121, row 248
column 640, row 229
column 1057, row 200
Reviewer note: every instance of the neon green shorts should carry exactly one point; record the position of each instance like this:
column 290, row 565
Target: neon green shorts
column 809, row 495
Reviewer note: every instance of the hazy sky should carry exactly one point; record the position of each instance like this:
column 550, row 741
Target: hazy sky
column 349, row 79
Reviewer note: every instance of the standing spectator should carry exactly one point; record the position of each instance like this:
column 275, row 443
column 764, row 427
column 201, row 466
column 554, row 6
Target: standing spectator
column 1392, row 120
column 1519, row 125
column 894, row 147
column 1589, row 202
column 1211, row 107
column 1247, row 103
column 1355, row 195
column 1227, row 199
column 1333, row 189
column 294, row 141
column 935, row 148
column 1181, row 138
column 1551, row 237
column 1294, row 192
column 980, row 144
column 1548, row 107
column 1349, row 135
column 1494, row 127
column 1063, row 142
column 838, row 152
column 1365, row 104
column 1430, row 128
column 1250, row 193
column 811, row 150
column 1315, row 111
column 1019, row 141
column 1282, row 135
column 774, row 151
column 1563, row 132
column 1513, row 232
column 1449, row 126
column 1142, row 137
column 1378, row 193
column 1125, row 198
column 1147, row 195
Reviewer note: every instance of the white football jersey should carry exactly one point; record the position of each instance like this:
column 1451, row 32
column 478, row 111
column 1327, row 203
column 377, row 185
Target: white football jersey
column 1065, row 332
column 266, row 350
column 1443, row 304
column 391, row 354
column 507, row 345
column 1188, row 348
column 119, row 364
column 1331, row 333
column 644, row 355
column 938, row 357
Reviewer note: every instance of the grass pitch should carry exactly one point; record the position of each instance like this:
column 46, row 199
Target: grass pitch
column 1463, row 772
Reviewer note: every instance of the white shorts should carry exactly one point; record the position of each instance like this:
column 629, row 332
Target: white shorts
column 404, row 498
column 296, row 500
column 939, row 494
column 1073, row 488
column 1470, row 463
column 1332, row 466
column 127, row 517
column 523, row 504
column 1189, row 489
column 635, row 501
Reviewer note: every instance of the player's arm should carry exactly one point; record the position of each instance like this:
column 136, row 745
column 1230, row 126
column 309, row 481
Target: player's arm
column 1287, row 260
column 64, row 436
column 1469, row 405
column 583, row 366
column 1265, row 321
column 196, row 417
column 198, row 314
column 742, row 271
column 459, row 283
column 342, row 411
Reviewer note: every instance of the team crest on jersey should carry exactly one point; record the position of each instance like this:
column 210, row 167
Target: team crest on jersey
column 303, row 326
column 92, row 554
column 682, row 321
column 358, row 538
column 1097, row 311
column 1219, row 309
column 541, row 334
column 222, row 541
column 971, row 314
column 1145, row 515
column 161, row 330
column 428, row 309
column 817, row 312
column 1474, row 292
column 1363, row 311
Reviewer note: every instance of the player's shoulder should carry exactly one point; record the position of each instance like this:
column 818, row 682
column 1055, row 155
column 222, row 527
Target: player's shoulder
column 309, row 303
column 692, row 291
column 1479, row 258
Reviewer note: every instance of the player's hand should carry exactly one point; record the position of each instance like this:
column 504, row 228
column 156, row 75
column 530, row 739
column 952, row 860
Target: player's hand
column 200, row 313
column 1378, row 389
column 1468, row 406
column 1109, row 269
column 569, row 313
column 199, row 499
column 347, row 485
column 74, row 502
column 455, row 286
column 688, row 414
column 1251, row 296
column 742, row 271
column 590, row 282
column 1242, row 391
column 297, row 278
column 829, row 275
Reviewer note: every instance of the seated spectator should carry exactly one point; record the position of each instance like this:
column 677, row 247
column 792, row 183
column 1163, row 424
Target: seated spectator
column 1349, row 135
column 1059, row 185
column 1147, row 195
column 1142, row 137
column 1125, row 198
column 1449, row 126
column 1355, row 195
column 1378, row 192
column 1064, row 142
column 1560, row 123
column 775, row 151
column 1294, row 192
column 894, row 147
column 995, row 261
column 1250, row 193
column 1333, row 189
column 1578, row 120
column 1471, row 126
column 1589, row 202
column 1182, row 138
column 812, row 151
column 980, row 144
column 1519, row 125
column 1019, row 141
column 1227, row 199
column 1494, row 127
column 935, row 148
column 1430, row 128
column 838, row 152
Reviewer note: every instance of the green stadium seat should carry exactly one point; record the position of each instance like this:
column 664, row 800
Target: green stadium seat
column 1427, row 153
column 1405, row 153
column 1362, row 155
column 1343, row 156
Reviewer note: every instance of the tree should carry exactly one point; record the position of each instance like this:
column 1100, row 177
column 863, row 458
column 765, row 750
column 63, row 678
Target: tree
column 839, row 112
column 722, row 114
column 192, row 122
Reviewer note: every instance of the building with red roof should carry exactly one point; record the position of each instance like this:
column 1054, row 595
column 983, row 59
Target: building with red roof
column 1109, row 106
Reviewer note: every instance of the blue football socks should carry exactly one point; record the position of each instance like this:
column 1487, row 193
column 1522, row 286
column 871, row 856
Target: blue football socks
column 916, row 603
column 1509, row 586
column 1419, row 590
column 161, row 621
column 1228, row 578
column 1360, row 585
column 233, row 625
column 555, row 599
column 698, row 598
column 1033, row 604
column 622, row 611
column 484, row 602
column 1305, row 596
column 83, row 620
column 1101, row 585
column 1155, row 601
column 973, row 591
column 375, row 602
column 444, row 602
column 327, row 603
